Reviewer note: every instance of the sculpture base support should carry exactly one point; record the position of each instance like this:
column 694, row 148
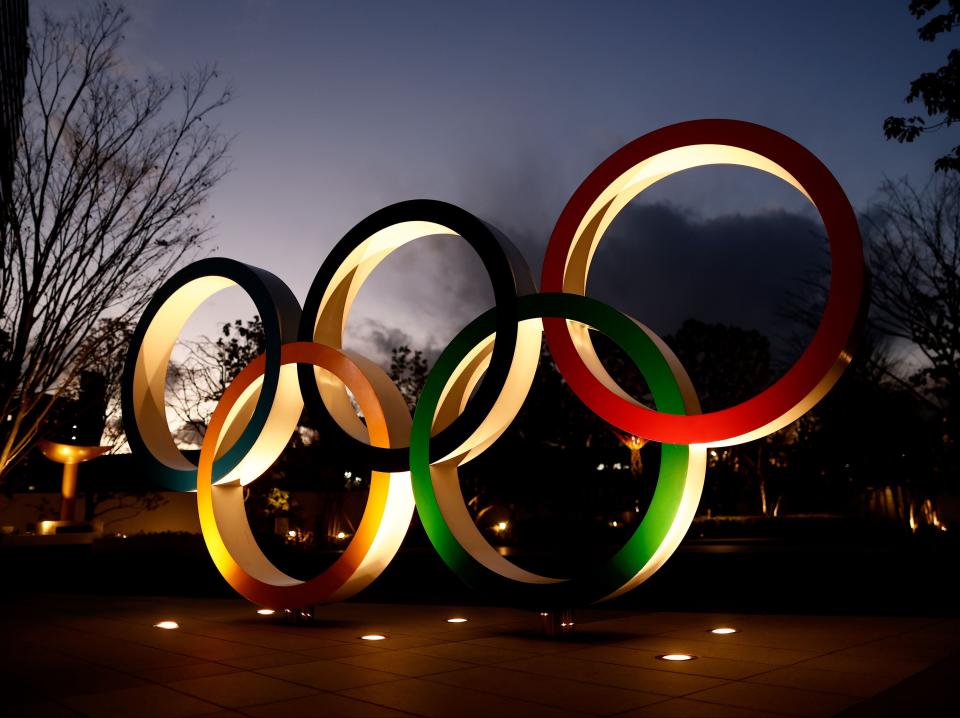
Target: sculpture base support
column 299, row 616
column 557, row 623
column 68, row 493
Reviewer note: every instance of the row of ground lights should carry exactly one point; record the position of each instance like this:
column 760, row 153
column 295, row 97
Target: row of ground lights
column 171, row 625
column 372, row 636
column 720, row 631
column 381, row 637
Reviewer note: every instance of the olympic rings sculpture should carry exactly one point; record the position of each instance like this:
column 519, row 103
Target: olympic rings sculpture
column 479, row 382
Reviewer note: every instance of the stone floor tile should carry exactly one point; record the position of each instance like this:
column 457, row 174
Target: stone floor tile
column 109, row 660
column 182, row 673
column 202, row 647
column 114, row 652
column 140, row 702
column 608, row 674
column 60, row 676
column 788, row 701
column 269, row 660
column 818, row 634
column 37, row 709
column 813, row 633
column 435, row 700
column 471, row 653
column 323, row 705
column 650, row 624
column 274, row 640
column 558, row 692
column 360, row 648
column 888, row 666
column 702, row 666
column 405, row 663
column 235, row 690
column 469, row 634
column 815, row 679
column 329, row 675
column 925, row 648
column 402, row 643
column 931, row 692
column 526, row 644
column 718, row 648
column 685, row 708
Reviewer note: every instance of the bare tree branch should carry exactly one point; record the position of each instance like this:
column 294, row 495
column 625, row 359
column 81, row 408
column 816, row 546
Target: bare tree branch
column 914, row 249
column 111, row 176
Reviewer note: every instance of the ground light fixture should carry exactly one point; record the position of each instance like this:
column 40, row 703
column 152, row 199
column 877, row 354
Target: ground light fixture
column 265, row 611
column 676, row 657
column 167, row 625
column 723, row 631
column 373, row 637
column 456, row 620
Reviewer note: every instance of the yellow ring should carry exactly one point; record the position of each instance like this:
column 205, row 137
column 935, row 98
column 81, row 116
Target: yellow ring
column 386, row 517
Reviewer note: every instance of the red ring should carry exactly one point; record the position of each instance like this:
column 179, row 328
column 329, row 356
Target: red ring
column 822, row 361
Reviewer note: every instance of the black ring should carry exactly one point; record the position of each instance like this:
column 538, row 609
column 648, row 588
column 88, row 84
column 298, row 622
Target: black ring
column 510, row 277
column 280, row 313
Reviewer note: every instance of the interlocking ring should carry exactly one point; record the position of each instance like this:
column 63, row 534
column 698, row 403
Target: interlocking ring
column 386, row 517
column 263, row 424
column 441, row 506
column 637, row 166
column 479, row 381
column 336, row 285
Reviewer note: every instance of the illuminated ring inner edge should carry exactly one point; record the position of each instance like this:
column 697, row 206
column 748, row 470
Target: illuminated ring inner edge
column 441, row 506
column 145, row 369
column 223, row 520
column 339, row 279
column 629, row 171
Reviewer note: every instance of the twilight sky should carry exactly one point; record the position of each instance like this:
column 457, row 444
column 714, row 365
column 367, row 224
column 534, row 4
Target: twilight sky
column 504, row 107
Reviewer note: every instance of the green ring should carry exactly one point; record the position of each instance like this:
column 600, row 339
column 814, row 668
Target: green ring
column 608, row 577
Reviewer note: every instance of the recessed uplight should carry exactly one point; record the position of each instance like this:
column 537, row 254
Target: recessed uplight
column 265, row 611
column 167, row 625
column 676, row 657
column 456, row 620
column 372, row 637
column 724, row 631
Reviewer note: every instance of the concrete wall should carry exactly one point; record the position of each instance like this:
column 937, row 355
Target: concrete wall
column 317, row 512
column 177, row 513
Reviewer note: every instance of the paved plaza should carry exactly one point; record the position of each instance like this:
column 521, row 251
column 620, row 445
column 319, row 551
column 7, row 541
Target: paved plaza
column 102, row 656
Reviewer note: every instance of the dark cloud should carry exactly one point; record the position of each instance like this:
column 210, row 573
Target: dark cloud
column 662, row 264
column 659, row 263
column 381, row 338
column 422, row 295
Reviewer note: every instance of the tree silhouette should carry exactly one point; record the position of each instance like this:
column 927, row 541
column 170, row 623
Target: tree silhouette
column 728, row 365
column 408, row 369
column 939, row 91
column 915, row 256
column 891, row 423
column 197, row 382
column 109, row 181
